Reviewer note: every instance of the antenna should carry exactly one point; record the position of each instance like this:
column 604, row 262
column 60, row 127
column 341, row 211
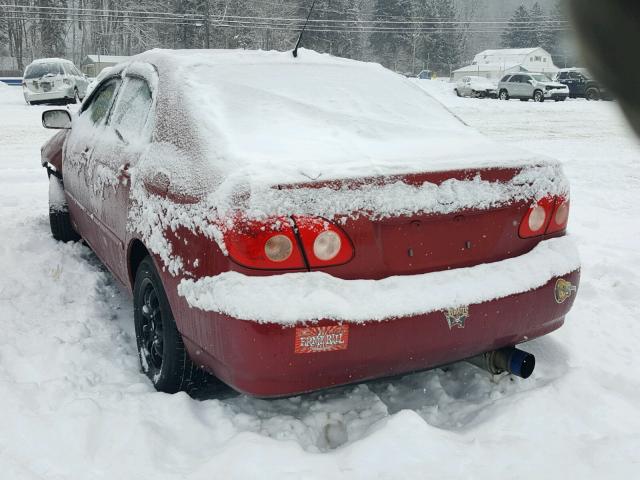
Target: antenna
column 295, row 50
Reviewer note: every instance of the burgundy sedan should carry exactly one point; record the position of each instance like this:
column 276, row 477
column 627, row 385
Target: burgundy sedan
column 292, row 224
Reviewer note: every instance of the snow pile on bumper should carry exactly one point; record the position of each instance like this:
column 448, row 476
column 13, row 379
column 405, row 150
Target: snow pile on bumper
column 305, row 297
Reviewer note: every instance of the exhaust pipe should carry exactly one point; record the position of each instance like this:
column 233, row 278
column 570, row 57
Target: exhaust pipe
column 509, row 359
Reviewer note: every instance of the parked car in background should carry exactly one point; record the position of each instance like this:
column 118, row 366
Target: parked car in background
column 531, row 86
column 581, row 84
column 52, row 80
column 425, row 75
column 288, row 263
column 477, row 87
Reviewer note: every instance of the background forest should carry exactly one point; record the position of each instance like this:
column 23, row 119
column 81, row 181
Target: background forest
column 404, row 35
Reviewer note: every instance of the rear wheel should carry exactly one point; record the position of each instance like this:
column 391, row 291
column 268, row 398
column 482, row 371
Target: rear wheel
column 163, row 356
column 457, row 92
column 538, row 96
column 592, row 94
column 504, row 95
column 59, row 219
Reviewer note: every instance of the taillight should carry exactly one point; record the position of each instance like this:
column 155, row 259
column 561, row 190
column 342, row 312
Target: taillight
column 324, row 243
column 269, row 245
column 548, row 215
column 273, row 245
column 560, row 216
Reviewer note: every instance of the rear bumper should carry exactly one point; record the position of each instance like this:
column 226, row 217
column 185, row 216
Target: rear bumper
column 269, row 359
column 32, row 97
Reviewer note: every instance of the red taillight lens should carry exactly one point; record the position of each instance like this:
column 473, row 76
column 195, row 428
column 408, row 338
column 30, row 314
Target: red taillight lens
column 273, row 244
column 324, row 243
column 560, row 216
column 537, row 218
column 269, row 245
column 548, row 215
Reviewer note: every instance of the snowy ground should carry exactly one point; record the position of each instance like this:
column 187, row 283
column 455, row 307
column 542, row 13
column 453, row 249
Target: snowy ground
column 74, row 406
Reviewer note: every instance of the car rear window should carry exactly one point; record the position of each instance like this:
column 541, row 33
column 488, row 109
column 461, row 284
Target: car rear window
column 38, row 70
column 505, row 78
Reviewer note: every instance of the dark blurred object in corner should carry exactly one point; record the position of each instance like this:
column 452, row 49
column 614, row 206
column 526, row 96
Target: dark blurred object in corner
column 609, row 33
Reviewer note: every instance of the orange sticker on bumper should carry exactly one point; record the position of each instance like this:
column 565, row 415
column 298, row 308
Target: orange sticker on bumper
column 322, row 339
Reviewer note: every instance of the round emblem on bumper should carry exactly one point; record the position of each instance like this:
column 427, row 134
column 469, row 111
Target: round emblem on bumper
column 564, row 289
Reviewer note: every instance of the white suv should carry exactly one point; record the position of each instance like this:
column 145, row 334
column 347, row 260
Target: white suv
column 53, row 80
column 536, row 86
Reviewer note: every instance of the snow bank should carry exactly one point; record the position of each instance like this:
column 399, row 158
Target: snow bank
column 315, row 295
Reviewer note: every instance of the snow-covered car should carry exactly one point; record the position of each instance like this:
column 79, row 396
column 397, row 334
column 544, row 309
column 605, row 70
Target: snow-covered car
column 477, row 87
column 50, row 80
column 293, row 224
column 531, row 86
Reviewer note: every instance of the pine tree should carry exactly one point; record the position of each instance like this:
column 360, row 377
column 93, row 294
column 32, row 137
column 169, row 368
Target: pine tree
column 392, row 49
column 542, row 36
column 562, row 55
column 516, row 34
column 447, row 40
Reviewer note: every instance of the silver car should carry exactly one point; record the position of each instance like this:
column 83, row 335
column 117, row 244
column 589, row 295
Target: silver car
column 51, row 80
column 531, row 86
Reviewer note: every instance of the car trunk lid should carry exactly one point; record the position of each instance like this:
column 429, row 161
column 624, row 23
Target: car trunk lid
column 456, row 233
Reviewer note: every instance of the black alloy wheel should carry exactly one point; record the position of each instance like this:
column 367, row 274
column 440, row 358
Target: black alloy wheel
column 163, row 356
column 538, row 96
column 151, row 335
column 504, row 95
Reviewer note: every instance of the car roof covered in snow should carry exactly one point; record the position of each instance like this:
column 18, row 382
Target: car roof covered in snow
column 51, row 60
column 258, row 118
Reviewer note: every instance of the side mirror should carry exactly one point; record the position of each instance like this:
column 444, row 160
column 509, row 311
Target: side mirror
column 57, row 119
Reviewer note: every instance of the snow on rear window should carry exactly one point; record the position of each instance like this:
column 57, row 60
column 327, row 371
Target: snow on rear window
column 38, row 70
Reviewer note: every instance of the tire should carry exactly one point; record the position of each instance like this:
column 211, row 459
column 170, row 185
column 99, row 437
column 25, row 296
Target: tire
column 503, row 95
column 59, row 218
column 538, row 96
column 457, row 92
column 161, row 351
column 592, row 94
